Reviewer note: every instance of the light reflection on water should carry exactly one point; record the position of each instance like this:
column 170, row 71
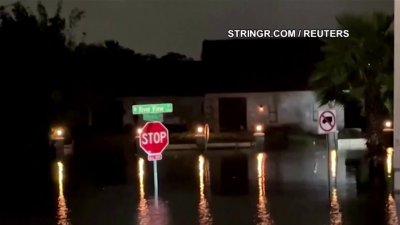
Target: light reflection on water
column 391, row 211
column 263, row 214
column 335, row 214
column 148, row 212
column 205, row 217
column 62, row 212
column 333, row 163
column 389, row 160
column 143, row 209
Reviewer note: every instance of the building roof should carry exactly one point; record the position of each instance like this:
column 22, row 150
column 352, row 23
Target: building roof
column 165, row 79
column 227, row 66
column 262, row 65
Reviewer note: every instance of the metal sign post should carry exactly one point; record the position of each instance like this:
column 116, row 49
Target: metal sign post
column 327, row 125
column 155, row 158
column 155, row 172
column 328, row 167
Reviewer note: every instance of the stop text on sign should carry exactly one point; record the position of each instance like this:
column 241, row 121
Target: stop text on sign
column 154, row 137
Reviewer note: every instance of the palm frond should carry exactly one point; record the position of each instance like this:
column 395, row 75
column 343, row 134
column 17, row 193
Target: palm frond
column 353, row 63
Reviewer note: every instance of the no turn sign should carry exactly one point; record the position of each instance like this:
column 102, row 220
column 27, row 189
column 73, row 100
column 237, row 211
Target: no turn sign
column 327, row 121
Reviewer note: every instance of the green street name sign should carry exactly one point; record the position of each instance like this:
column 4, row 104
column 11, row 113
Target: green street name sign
column 152, row 108
column 153, row 117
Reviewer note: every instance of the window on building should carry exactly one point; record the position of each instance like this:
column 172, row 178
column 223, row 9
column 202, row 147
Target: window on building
column 273, row 112
column 273, row 116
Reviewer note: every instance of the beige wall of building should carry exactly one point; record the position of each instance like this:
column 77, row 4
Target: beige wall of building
column 285, row 108
column 298, row 108
column 187, row 110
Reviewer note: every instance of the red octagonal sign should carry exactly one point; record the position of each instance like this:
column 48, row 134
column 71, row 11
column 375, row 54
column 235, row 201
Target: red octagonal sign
column 154, row 138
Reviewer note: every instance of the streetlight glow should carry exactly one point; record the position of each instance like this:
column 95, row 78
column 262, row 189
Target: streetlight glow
column 259, row 128
column 200, row 129
column 59, row 132
column 388, row 124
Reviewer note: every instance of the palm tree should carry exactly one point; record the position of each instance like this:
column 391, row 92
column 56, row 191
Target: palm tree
column 360, row 68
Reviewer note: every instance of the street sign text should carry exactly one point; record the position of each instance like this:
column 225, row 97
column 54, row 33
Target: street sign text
column 152, row 108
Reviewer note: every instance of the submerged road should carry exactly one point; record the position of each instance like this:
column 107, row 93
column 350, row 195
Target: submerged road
column 223, row 187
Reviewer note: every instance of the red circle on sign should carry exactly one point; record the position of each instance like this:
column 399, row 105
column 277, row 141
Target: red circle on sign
column 331, row 125
column 154, row 138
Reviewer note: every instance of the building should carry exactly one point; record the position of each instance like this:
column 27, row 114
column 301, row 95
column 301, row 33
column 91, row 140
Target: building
column 268, row 84
column 243, row 111
column 278, row 69
column 188, row 110
column 227, row 112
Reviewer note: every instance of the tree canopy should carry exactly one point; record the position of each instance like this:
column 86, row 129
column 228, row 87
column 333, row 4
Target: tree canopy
column 360, row 69
column 354, row 64
column 43, row 62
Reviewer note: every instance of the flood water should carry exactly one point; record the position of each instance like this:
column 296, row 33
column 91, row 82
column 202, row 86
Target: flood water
column 220, row 187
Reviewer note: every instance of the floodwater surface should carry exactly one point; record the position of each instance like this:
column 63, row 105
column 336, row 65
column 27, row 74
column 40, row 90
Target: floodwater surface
column 224, row 187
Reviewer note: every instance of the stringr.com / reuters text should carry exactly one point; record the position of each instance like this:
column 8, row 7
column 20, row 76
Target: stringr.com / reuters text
column 305, row 33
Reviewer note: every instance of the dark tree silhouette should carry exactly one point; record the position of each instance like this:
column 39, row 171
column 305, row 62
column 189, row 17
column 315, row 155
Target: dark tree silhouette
column 64, row 80
column 360, row 69
column 34, row 54
column 175, row 57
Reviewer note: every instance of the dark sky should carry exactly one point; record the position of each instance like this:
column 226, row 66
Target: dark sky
column 161, row 26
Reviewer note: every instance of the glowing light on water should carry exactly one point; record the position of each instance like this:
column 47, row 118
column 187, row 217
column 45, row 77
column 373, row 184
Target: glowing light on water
column 141, row 170
column 205, row 217
column 148, row 213
column 62, row 212
column 143, row 209
column 260, row 159
column 333, row 163
column 391, row 211
column 60, row 167
column 389, row 160
column 264, row 217
column 335, row 214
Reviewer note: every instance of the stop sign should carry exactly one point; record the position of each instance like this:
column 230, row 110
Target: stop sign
column 154, row 138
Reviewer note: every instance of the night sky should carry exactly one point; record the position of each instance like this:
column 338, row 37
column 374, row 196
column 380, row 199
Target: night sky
column 158, row 27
